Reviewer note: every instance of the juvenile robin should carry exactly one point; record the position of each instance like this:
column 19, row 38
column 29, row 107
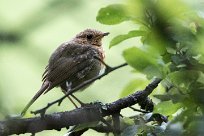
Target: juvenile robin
column 72, row 63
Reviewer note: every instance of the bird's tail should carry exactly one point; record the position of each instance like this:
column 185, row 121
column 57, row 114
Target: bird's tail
column 44, row 87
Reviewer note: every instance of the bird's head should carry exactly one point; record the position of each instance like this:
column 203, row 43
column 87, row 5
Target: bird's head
column 90, row 36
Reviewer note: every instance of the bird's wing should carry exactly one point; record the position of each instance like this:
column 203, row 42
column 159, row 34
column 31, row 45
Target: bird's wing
column 69, row 61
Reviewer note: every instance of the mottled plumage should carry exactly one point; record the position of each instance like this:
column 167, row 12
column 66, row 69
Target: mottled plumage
column 73, row 62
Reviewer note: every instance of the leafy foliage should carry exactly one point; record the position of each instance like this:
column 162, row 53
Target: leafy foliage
column 171, row 34
column 112, row 14
column 116, row 40
column 141, row 61
column 167, row 108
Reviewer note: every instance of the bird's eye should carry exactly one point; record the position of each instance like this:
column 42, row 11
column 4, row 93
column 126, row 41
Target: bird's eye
column 89, row 36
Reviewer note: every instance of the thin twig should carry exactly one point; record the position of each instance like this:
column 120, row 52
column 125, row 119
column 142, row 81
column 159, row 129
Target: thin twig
column 116, row 123
column 142, row 111
column 110, row 69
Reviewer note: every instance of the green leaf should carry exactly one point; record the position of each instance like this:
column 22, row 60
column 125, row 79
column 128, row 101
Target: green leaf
column 142, row 61
column 112, row 14
column 167, row 108
column 152, row 71
column 132, row 86
column 118, row 39
column 163, row 97
column 183, row 79
column 137, row 58
column 171, row 95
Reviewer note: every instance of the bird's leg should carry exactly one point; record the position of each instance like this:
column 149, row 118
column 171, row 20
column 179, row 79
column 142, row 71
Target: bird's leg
column 65, row 92
column 79, row 101
column 72, row 102
column 70, row 99
column 68, row 84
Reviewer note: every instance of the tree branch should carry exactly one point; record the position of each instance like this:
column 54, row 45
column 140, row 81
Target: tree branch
column 89, row 113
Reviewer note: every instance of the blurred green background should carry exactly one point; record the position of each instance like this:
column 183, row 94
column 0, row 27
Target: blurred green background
column 30, row 31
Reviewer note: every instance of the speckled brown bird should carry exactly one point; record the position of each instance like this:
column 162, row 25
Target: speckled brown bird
column 73, row 62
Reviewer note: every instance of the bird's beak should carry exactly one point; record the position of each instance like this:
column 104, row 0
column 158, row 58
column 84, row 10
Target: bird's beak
column 105, row 34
